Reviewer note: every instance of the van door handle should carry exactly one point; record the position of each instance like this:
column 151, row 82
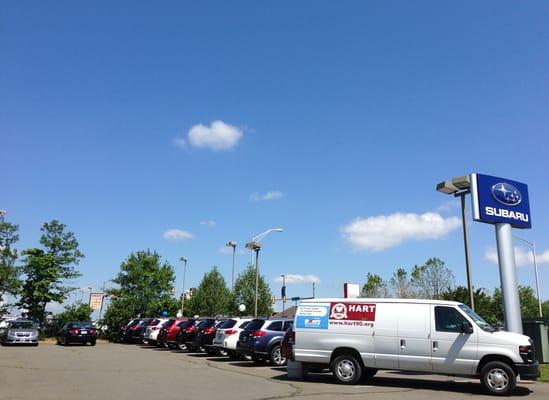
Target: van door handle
column 435, row 345
column 402, row 343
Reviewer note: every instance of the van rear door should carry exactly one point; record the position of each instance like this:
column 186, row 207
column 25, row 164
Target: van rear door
column 413, row 333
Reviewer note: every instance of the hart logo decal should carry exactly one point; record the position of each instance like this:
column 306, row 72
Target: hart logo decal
column 353, row 311
column 339, row 311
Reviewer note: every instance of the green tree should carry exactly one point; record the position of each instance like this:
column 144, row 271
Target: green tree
column 46, row 270
column 9, row 273
column 144, row 289
column 244, row 293
column 401, row 285
column 374, row 287
column 74, row 312
column 212, row 297
column 432, row 279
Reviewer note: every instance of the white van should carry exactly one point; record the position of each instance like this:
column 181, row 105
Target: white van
column 357, row 337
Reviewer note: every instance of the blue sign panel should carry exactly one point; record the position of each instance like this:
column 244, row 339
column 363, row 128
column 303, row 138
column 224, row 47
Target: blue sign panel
column 500, row 200
column 312, row 317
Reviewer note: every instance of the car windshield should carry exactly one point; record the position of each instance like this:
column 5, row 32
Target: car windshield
column 482, row 324
column 205, row 323
column 21, row 325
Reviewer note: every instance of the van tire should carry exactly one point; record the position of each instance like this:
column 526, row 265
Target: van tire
column 346, row 369
column 498, row 378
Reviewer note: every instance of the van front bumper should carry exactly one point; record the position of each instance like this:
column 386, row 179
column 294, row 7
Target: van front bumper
column 529, row 372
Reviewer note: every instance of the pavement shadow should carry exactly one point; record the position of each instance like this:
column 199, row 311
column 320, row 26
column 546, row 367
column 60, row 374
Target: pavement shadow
column 407, row 383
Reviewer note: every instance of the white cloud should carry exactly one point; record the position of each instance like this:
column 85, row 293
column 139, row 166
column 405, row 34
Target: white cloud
column 295, row 278
column 177, row 234
column 209, row 222
column 384, row 231
column 272, row 195
column 218, row 136
column 523, row 256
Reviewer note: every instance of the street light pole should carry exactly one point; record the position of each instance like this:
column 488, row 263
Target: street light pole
column 255, row 245
column 466, row 246
column 233, row 245
column 184, row 259
column 460, row 186
column 533, row 247
column 284, row 294
column 256, row 278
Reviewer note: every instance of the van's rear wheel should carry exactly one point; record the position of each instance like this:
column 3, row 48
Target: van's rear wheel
column 498, row 378
column 346, row 369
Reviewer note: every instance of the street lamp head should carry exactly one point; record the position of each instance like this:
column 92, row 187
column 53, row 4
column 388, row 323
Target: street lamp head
column 253, row 246
column 462, row 182
column 184, row 259
column 447, row 187
column 230, row 243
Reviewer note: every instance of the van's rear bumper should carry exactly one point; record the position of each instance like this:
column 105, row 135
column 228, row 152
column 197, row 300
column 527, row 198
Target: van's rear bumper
column 529, row 372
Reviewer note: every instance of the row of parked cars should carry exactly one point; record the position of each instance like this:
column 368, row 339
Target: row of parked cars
column 256, row 339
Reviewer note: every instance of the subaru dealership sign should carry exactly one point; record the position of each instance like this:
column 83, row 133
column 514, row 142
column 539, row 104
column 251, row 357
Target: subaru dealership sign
column 499, row 200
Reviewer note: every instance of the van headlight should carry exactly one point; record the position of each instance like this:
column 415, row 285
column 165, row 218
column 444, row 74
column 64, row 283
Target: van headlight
column 527, row 354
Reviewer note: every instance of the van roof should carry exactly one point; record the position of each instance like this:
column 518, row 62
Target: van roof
column 376, row 300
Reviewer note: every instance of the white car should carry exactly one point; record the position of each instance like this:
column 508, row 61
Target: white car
column 152, row 331
column 227, row 336
column 356, row 337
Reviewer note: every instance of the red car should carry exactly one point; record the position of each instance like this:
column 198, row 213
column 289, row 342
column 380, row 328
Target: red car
column 168, row 333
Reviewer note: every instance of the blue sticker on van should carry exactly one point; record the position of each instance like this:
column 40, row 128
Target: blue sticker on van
column 312, row 317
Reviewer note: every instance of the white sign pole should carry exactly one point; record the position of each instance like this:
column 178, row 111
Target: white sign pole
column 508, row 276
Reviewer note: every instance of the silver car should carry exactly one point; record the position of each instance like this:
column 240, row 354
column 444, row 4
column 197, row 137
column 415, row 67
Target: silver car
column 20, row 331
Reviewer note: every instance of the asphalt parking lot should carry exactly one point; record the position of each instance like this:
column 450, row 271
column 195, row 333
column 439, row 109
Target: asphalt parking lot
column 113, row 371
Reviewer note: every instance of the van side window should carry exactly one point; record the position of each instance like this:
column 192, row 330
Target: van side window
column 448, row 319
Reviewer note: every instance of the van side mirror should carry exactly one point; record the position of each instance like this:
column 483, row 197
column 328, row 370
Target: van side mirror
column 466, row 327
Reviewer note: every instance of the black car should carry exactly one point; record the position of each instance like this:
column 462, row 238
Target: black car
column 77, row 332
column 205, row 334
column 195, row 339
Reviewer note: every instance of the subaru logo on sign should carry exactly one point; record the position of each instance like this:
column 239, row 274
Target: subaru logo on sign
column 506, row 193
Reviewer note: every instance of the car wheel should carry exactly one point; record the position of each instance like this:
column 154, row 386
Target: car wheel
column 92, row 343
column 276, row 356
column 498, row 378
column 346, row 369
column 181, row 346
column 233, row 355
column 209, row 350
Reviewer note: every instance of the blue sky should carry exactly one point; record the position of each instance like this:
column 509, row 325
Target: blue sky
column 340, row 110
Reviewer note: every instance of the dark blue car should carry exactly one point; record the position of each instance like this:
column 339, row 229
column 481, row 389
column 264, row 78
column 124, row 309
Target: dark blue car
column 262, row 339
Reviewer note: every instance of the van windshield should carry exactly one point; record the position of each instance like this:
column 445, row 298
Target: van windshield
column 482, row 324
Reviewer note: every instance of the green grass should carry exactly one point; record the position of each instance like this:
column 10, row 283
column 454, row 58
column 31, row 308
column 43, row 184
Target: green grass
column 544, row 369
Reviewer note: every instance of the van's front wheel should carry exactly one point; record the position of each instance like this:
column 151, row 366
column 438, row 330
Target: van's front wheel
column 498, row 378
column 346, row 369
